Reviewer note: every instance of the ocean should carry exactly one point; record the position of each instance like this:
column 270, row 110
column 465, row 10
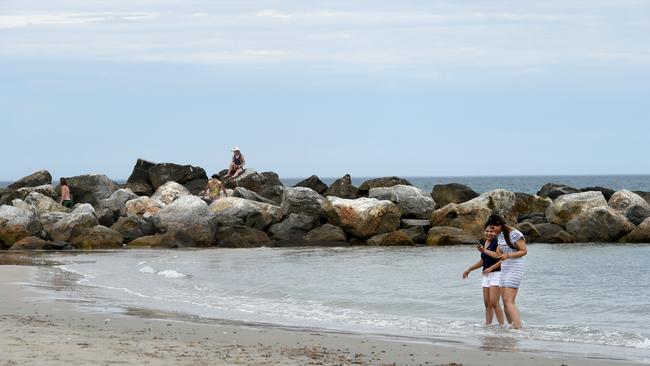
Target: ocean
column 587, row 300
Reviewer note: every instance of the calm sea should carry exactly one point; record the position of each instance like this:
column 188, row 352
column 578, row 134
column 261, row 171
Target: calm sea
column 589, row 300
column 525, row 184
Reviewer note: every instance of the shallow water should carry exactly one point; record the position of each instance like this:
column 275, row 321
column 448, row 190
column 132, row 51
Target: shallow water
column 591, row 300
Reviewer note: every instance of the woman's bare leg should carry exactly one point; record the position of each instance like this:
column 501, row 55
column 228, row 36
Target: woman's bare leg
column 509, row 295
column 238, row 172
column 231, row 170
column 495, row 295
column 505, row 310
column 488, row 308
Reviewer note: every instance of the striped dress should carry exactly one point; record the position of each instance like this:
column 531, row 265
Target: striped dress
column 512, row 270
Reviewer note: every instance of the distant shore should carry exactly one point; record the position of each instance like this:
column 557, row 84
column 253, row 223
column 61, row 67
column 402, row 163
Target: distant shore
column 56, row 333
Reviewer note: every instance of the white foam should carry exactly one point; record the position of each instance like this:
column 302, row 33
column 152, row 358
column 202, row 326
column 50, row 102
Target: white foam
column 170, row 273
column 147, row 269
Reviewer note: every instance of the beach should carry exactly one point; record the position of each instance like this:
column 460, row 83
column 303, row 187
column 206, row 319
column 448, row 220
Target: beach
column 37, row 332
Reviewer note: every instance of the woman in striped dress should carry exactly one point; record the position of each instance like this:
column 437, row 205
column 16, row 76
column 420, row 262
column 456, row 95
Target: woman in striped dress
column 511, row 250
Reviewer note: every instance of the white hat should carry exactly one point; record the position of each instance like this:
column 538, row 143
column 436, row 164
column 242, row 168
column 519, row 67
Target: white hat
column 236, row 148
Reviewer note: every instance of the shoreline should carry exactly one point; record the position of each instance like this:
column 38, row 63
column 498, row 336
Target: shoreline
column 56, row 333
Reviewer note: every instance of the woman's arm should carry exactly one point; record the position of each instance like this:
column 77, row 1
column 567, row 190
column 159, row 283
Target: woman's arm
column 494, row 254
column 492, row 267
column 522, row 250
column 225, row 193
column 473, row 267
column 243, row 160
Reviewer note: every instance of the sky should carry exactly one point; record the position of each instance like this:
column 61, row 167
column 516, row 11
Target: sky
column 369, row 88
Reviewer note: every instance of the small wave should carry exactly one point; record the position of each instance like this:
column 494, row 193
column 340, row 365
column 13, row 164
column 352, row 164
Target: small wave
column 147, row 269
column 170, row 273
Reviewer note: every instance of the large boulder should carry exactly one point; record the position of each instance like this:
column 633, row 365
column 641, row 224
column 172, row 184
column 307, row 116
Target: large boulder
column 640, row 234
column 266, row 184
column 365, row 187
column 133, row 227
column 143, row 206
column 412, row 201
column 343, row 188
column 84, row 208
column 16, row 224
column 46, row 190
column 599, row 224
column 445, row 194
column 48, row 220
column 239, row 211
column 139, row 182
column 32, row 243
column 98, row 237
column 38, row 178
column 569, row 206
column 44, row 203
column 417, row 233
column 630, row 205
column 72, row 226
column 326, row 233
column 446, row 235
column 553, row 234
column 314, row 183
column 607, row 193
column 90, row 188
column 188, row 216
column 395, row 238
column 644, row 195
column 363, row 217
column 242, row 192
column 528, row 205
column 293, row 228
column 554, row 190
column 471, row 216
column 302, row 200
column 162, row 173
column 240, row 237
column 170, row 192
column 110, row 209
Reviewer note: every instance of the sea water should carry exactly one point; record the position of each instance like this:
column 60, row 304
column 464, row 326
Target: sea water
column 592, row 300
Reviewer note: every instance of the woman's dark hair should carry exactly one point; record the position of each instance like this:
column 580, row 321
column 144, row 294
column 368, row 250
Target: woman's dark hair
column 496, row 220
column 215, row 176
column 63, row 182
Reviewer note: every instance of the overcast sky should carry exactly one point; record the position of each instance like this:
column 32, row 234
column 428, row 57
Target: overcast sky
column 370, row 88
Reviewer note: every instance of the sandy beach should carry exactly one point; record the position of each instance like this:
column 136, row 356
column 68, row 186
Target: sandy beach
column 57, row 333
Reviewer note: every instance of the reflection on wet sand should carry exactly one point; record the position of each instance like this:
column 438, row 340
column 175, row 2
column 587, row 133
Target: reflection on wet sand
column 509, row 344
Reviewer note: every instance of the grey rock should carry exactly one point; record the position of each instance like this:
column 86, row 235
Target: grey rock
column 417, row 233
column 343, row 188
column 569, row 206
column 139, row 181
column 170, row 192
column 554, row 190
column 446, row 235
column 98, row 237
column 72, row 226
column 412, row 201
column 529, row 205
column 90, row 188
column 35, row 179
column 630, row 205
column 302, row 200
column 607, row 193
column 241, row 237
column 162, row 173
column 553, row 234
column 365, row 187
column 242, row 192
column 110, row 209
column 645, row 195
column 188, row 216
column 236, row 211
column 444, row 194
column 294, row 227
column 84, row 208
column 314, row 183
column 266, row 184
column 640, row 234
column 133, row 227
column 599, row 224
column 42, row 203
column 395, row 238
column 362, row 217
column 46, row 190
column 326, row 233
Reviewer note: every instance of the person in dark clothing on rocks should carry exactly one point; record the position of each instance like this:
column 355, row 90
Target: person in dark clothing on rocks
column 236, row 165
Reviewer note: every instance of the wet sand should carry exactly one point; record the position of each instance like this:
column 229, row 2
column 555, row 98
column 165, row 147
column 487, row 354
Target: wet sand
column 35, row 332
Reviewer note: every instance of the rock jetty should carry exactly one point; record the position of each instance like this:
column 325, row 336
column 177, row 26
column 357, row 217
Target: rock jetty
column 158, row 207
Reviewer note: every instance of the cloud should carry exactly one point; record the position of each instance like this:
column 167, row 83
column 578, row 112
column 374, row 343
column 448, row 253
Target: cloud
column 68, row 19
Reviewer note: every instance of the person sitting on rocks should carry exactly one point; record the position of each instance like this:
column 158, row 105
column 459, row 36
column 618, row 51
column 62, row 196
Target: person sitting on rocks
column 213, row 189
column 236, row 165
column 66, row 197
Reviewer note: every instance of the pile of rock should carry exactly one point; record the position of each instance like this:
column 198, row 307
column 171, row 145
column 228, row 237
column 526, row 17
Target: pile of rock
column 157, row 207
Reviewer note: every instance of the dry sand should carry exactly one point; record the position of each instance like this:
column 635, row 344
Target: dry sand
column 34, row 332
